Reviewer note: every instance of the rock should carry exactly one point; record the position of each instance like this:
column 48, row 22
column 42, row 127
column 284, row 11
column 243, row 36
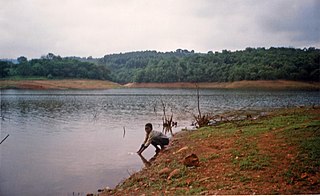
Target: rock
column 191, row 161
column 174, row 173
column 165, row 171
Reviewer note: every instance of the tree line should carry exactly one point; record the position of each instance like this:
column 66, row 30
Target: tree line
column 177, row 66
column 52, row 66
column 225, row 66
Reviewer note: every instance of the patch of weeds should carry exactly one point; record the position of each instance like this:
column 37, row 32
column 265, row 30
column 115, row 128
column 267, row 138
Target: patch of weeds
column 247, row 155
column 235, row 177
column 251, row 131
column 131, row 182
column 209, row 157
column 305, row 135
column 218, row 130
column 315, row 123
column 196, row 190
column 253, row 161
column 235, row 152
column 230, row 175
column 245, row 179
column 181, row 192
column 174, row 164
column 158, row 185
column 213, row 156
column 227, row 126
column 289, row 176
column 220, row 186
column 201, row 133
column 274, row 192
column 311, row 146
column 284, row 121
column 245, row 163
column 179, row 183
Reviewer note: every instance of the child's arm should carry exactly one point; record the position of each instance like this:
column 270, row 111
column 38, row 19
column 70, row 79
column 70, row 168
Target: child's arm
column 143, row 147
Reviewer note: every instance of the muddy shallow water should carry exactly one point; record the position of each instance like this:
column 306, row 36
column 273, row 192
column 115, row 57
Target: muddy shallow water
column 69, row 142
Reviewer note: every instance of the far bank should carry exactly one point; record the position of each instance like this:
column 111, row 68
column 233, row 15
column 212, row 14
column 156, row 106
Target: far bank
column 245, row 84
column 86, row 84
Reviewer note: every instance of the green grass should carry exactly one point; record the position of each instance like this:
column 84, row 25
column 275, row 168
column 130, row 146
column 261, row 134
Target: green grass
column 303, row 131
column 222, row 130
column 253, row 162
column 247, row 155
column 196, row 190
column 297, row 129
column 245, row 179
column 209, row 157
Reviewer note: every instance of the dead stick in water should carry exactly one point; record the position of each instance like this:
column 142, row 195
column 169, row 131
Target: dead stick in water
column 4, row 139
column 124, row 132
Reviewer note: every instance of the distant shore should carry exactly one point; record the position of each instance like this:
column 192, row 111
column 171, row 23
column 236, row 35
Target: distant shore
column 58, row 84
column 259, row 84
column 100, row 84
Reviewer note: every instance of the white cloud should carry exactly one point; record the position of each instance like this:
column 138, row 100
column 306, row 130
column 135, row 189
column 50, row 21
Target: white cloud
column 97, row 27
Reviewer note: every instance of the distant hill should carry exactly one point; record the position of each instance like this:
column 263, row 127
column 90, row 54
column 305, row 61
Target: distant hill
column 178, row 66
column 226, row 66
column 53, row 67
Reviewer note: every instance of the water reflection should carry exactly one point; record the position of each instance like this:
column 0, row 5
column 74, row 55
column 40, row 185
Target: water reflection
column 72, row 141
column 147, row 163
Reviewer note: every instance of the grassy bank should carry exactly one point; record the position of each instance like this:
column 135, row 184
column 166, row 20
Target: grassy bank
column 275, row 154
column 259, row 84
column 39, row 84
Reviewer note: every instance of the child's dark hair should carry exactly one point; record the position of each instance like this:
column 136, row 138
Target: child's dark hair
column 149, row 125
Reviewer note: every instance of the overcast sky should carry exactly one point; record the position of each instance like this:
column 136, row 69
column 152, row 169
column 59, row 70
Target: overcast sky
column 85, row 28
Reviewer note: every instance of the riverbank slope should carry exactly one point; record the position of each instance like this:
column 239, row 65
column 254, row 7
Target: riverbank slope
column 245, row 84
column 275, row 154
column 101, row 84
column 58, row 84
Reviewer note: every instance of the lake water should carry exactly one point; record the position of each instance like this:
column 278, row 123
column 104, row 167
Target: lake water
column 65, row 142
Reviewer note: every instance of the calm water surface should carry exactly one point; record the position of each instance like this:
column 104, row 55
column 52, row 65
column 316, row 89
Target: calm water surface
column 71, row 141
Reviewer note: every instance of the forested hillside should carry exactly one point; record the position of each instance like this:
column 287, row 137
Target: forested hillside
column 178, row 66
column 53, row 67
column 185, row 66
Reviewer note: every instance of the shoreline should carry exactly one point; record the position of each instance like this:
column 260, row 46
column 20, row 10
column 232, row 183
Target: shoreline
column 245, row 84
column 86, row 84
column 250, row 157
column 64, row 84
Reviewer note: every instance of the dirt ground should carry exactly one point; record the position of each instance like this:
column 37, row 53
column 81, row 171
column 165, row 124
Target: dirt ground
column 58, row 84
column 274, row 154
column 261, row 84
column 99, row 84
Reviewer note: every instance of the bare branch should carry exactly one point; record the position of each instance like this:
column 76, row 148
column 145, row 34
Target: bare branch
column 4, row 139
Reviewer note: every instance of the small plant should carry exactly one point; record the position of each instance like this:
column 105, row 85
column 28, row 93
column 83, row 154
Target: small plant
column 209, row 157
column 196, row 190
column 245, row 179
column 289, row 176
